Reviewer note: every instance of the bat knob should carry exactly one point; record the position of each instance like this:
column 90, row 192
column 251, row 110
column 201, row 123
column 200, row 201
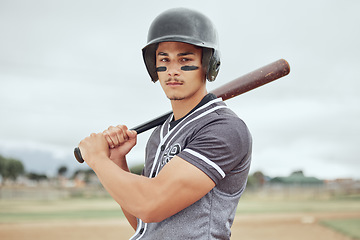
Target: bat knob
column 78, row 156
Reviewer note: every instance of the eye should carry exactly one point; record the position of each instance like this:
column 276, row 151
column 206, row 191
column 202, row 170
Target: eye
column 163, row 60
column 185, row 59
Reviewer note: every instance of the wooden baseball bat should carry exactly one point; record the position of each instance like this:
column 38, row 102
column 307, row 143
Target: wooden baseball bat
column 240, row 85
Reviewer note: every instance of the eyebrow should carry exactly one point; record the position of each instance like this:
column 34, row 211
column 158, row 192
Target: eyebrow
column 163, row 54
column 185, row 53
column 179, row 54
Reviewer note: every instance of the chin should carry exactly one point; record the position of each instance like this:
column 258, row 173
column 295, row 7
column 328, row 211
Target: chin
column 174, row 98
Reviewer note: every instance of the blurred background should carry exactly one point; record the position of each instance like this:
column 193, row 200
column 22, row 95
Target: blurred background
column 70, row 68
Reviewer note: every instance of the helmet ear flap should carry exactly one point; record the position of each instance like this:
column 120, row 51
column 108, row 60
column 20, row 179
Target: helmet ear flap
column 211, row 63
column 149, row 55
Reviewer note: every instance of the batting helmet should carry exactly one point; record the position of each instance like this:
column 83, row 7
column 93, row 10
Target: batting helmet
column 187, row 26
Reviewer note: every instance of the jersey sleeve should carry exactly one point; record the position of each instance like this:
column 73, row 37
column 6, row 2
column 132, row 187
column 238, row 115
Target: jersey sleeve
column 219, row 147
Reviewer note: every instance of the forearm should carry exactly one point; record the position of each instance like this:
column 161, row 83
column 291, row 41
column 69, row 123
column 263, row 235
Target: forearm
column 131, row 219
column 130, row 191
column 122, row 163
column 111, row 168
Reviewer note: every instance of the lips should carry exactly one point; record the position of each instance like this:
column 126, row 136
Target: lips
column 172, row 82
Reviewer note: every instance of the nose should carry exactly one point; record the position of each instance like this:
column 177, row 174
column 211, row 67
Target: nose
column 173, row 69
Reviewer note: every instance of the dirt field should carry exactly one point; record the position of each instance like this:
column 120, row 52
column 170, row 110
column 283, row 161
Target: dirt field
column 259, row 217
column 276, row 226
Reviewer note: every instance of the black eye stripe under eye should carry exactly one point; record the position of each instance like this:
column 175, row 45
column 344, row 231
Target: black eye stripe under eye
column 161, row 69
column 189, row 68
column 184, row 68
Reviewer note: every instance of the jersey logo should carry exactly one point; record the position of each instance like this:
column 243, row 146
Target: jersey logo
column 170, row 152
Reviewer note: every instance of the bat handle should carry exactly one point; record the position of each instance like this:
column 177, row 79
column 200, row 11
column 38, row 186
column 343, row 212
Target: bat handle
column 78, row 156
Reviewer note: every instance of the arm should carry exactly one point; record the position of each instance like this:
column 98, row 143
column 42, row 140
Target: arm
column 131, row 219
column 178, row 185
column 118, row 136
column 123, row 165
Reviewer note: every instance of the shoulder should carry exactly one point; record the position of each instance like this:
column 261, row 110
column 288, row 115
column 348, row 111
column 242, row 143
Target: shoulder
column 224, row 122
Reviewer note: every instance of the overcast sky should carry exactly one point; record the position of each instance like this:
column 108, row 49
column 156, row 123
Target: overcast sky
column 69, row 68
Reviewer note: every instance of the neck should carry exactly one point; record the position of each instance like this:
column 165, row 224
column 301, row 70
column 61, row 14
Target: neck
column 182, row 107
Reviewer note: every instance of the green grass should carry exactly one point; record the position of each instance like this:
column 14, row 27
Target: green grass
column 8, row 217
column 349, row 227
column 12, row 211
column 253, row 205
column 15, row 211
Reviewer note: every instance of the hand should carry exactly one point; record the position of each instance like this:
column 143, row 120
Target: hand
column 94, row 147
column 120, row 141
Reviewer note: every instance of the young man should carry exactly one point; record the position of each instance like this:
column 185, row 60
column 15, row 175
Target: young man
column 197, row 162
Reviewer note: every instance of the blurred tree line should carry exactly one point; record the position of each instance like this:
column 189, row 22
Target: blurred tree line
column 255, row 180
column 10, row 168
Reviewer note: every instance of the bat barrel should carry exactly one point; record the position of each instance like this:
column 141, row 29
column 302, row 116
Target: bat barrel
column 254, row 79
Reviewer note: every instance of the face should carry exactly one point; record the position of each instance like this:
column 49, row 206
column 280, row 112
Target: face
column 180, row 70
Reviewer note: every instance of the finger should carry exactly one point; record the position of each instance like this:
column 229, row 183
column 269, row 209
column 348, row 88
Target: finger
column 121, row 134
column 131, row 133
column 124, row 127
column 113, row 133
column 115, row 136
column 124, row 136
column 109, row 140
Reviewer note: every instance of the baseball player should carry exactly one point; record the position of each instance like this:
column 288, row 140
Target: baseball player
column 197, row 162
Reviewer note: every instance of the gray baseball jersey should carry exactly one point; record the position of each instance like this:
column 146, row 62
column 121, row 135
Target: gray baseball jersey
column 215, row 140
